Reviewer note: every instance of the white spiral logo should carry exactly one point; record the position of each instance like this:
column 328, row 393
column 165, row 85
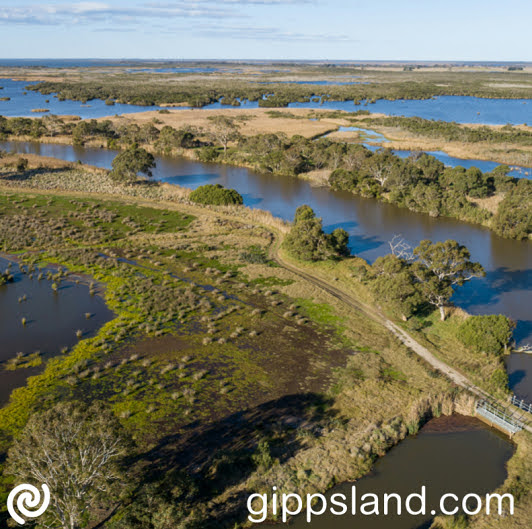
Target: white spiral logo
column 30, row 497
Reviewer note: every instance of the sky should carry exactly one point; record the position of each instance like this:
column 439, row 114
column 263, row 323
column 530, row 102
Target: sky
column 423, row 30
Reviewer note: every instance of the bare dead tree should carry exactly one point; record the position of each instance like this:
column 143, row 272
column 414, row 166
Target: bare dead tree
column 400, row 248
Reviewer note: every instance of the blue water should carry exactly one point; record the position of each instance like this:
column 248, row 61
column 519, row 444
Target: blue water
column 461, row 109
column 197, row 69
column 319, row 83
column 448, row 108
column 21, row 105
column 485, row 166
column 368, row 134
column 370, row 224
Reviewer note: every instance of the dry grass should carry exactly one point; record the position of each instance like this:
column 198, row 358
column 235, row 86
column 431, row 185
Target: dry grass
column 490, row 203
column 318, row 177
column 259, row 121
column 506, row 153
column 40, row 162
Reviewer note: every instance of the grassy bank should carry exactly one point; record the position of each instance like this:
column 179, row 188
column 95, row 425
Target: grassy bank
column 205, row 325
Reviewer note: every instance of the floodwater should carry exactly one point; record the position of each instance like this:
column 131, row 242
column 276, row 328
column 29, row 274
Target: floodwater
column 21, row 104
column 52, row 319
column 454, row 454
column 370, row 224
column 372, row 137
column 462, row 109
column 485, row 166
column 519, row 368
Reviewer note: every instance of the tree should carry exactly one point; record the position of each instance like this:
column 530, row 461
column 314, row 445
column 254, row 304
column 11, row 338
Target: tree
column 395, row 284
column 380, row 166
column 76, row 451
column 308, row 242
column 129, row 163
column 514, row 216
column 170, row 138
column 431, row 167
column 435, row 291
column 442, row 265
column 22, row 165
column 148, row 133
column 225, row 130
column 448, row 261
column 339, row 241
column 400, row 248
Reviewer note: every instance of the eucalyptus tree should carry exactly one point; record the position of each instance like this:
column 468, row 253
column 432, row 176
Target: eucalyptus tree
column 78, row 452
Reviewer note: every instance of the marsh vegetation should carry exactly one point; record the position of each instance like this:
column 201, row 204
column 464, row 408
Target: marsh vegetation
column 205, row 324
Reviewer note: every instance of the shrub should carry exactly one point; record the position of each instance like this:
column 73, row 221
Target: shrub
column 217, row 195
column 254, row 255
column 207, row 154
column 488, row 334
column 22, row 165
column 514, row 216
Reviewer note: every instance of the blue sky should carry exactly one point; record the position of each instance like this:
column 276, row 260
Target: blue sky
column 268, row 29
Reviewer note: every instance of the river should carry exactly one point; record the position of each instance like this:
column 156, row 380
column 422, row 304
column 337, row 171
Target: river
column 450, row 455
column 370, row 224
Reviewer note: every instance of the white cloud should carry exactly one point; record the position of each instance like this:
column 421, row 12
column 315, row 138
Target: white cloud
column 85, row 12
column 162, row 17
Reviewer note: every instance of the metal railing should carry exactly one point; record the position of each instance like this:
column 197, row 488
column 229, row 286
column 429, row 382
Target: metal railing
column 497, row 415
column 521, row 404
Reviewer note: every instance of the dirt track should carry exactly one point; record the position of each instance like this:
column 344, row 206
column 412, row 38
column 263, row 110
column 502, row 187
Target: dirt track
column 458, row 378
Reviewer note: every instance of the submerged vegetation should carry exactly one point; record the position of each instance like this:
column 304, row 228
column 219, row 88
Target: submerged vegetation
column 205, row 325
column 291, row 83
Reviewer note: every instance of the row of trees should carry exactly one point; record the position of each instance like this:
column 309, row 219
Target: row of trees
column 451, row 131
column 420, row 183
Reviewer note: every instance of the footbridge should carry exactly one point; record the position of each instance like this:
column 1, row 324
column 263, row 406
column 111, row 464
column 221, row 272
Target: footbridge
column 497, row 415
